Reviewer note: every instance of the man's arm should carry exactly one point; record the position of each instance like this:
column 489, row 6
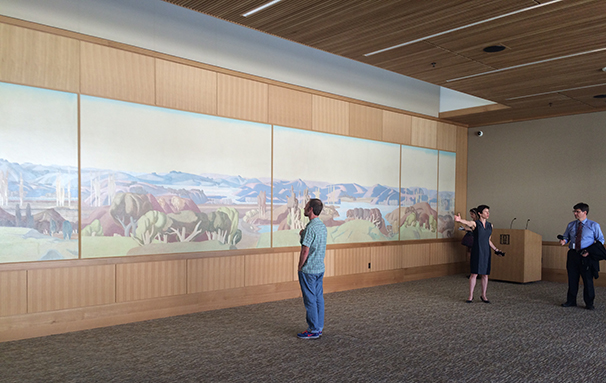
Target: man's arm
column 303, row 256
column 599, row 236
column 566, row 235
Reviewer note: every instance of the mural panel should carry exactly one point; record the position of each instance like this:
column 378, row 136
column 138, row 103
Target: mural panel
column 38, row 174
column 356, row 179
column 419, row 193
column 446, row 194
column 161, row 181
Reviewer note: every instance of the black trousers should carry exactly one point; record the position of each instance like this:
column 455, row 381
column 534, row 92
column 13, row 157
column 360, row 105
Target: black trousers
column 576, row 266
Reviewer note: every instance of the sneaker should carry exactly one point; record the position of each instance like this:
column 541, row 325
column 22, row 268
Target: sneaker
column 309, row 335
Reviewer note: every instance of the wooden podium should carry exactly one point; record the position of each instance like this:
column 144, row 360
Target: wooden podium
column 522, row 260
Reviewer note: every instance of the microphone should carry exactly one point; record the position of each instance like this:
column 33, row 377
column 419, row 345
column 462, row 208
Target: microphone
column 560, row 236
column 527, row 224
column 511, row 224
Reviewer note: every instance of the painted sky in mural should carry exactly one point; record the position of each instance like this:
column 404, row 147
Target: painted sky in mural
column 419, row 193
column 38, row 174
column 158, row 181
column 356, row 179
column 446, row 193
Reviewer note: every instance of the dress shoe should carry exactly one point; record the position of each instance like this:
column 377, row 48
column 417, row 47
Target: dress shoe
column 568, row 304
column 590, row 307
column 484, row 300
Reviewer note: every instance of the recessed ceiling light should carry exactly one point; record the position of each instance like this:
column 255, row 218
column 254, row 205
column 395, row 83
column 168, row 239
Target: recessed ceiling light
column 262, row 7
column 494, row 48
column 600, row 96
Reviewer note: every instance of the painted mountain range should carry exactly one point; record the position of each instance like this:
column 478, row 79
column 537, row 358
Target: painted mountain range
column 40, row 183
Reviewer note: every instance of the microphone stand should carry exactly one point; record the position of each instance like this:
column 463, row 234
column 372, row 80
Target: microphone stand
column 511, row 224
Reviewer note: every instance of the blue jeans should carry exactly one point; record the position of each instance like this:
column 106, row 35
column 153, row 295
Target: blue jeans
column 313, row 298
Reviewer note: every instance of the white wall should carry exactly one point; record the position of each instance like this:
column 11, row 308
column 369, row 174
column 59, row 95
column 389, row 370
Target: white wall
column 166, row 28
column 538, row 170
column 453, row 100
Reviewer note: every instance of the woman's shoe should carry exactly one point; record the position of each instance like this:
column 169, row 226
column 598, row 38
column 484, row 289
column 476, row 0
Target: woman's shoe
column 484, row 300
column 469, row 301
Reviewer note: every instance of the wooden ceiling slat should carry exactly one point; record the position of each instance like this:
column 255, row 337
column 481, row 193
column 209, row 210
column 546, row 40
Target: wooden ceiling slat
column 355, row 27
column 546, row 77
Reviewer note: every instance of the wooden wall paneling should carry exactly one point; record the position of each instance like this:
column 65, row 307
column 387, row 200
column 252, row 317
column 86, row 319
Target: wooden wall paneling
column 461, row 173
column 330, row 115
column 39, row 59
column 365, row 122
column 13, row 292
column 329, row 262
column 385, row 258
column 117, row 74
column 446, row 252
column 185, row 87
column 424, row 132
column 447, row 137
column 261, row 269
column 146, row 280
column 290, row 108
column 352, row 261
column 70, row 287
column 554, row 256
column 415, row 255
column 215, row 273
column 397, row 127
column 242, row 98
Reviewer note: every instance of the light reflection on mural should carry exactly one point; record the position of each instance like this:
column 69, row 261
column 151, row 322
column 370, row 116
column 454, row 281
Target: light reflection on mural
column 419, row 193
column 356, row 179
column 446, row 194
column 38, row 174
column 157, row 181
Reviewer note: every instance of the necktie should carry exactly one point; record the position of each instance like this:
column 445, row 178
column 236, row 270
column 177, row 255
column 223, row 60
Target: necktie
column 577, row 240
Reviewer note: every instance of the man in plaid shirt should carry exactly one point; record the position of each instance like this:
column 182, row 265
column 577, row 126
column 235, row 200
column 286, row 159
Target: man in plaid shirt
column 311, row 269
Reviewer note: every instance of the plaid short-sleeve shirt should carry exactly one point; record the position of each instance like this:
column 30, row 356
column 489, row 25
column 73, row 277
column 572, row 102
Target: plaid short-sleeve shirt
column 314, row 237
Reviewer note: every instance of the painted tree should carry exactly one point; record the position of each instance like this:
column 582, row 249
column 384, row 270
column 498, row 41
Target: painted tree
column 262, row 203
column 93, row 230
column 52, row 227
column 17, row 216
column 219, row 226
column 127, row 208
column 187, row 225
column 29, row 219
column 67, row 230
column 235, row 234
column 150, row 225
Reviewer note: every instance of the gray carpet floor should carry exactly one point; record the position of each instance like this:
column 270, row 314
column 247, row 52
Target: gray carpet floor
column 421, row 331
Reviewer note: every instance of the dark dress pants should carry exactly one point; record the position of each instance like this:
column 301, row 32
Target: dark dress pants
column 576, row 266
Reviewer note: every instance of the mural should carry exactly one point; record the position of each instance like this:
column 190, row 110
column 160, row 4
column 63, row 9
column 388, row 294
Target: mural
column 38, row 174
column 356, row 179
column 418, row 193
column 159, row 181
column 446, row 194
